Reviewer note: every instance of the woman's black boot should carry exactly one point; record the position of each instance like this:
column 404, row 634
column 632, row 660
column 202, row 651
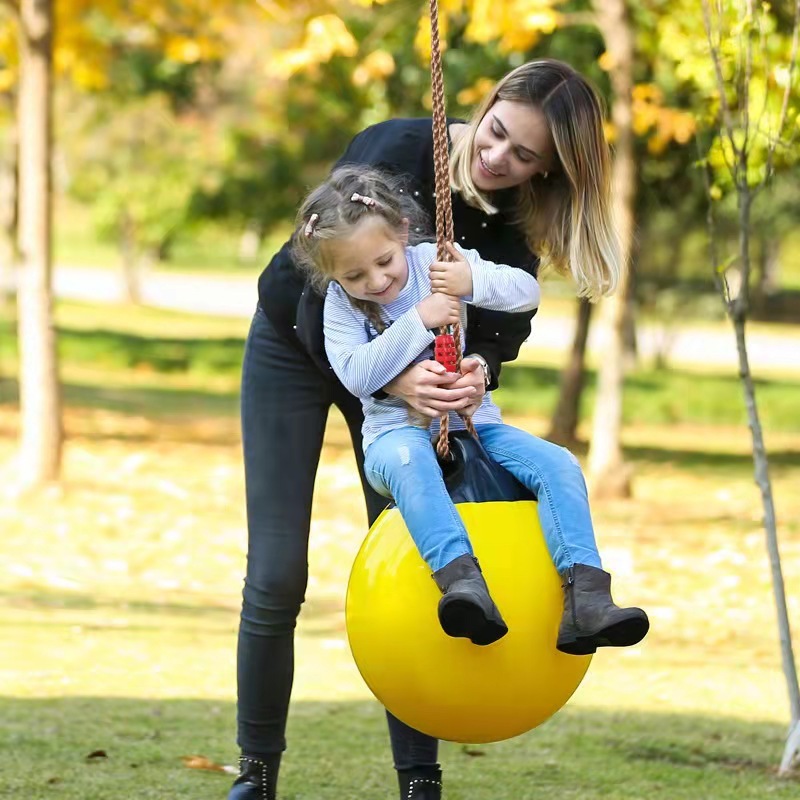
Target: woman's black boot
column 258, row 778
column 420, row 783
column 591, row 619
column 467, row 609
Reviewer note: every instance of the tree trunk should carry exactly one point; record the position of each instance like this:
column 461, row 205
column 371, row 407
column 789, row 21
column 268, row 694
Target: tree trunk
column 564, row 425
column 40, row 398
column 767, row 274
column 739, row 311
column 131, row 267
column 8, row 218
column 608, row 474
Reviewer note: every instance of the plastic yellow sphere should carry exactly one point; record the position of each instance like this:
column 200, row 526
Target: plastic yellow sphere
column 447, row 687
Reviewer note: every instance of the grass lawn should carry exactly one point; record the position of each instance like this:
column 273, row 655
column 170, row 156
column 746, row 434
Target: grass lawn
column 120, row 592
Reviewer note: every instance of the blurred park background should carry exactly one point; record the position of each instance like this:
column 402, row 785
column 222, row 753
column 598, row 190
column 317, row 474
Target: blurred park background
column 184, row 134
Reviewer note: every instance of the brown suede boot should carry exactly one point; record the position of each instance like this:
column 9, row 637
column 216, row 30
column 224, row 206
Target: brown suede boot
column 467, row 609
column 591, row 619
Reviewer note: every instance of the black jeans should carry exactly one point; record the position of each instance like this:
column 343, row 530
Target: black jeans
column 285, row 404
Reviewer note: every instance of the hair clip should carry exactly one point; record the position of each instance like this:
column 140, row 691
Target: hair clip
column 311, row 224
column 362, row 198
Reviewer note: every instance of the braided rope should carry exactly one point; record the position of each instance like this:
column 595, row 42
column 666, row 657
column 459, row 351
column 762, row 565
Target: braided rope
column 444, row 205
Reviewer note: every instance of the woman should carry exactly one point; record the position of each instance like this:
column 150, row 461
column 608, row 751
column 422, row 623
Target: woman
column 530, row 174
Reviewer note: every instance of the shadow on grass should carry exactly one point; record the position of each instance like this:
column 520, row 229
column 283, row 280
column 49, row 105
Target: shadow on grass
column 340, row 750
column 118, row 350
column 321, row 615
column 665, row 397
column 80, row 601
column 701, row 460
column 151, row 402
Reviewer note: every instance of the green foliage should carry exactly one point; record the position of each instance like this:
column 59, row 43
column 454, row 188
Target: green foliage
column 752, row 54
column 137, row 163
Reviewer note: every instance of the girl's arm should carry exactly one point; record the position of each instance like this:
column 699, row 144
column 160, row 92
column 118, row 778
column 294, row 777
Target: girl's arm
column 498, row 287
column 362, row 365
column 482, row 283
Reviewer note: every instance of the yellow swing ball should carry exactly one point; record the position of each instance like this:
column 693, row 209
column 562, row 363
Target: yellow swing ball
column 446, row 687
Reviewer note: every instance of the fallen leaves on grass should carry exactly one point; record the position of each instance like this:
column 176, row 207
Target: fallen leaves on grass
column 201, row 762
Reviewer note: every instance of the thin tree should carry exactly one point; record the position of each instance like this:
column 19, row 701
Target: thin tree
column 41, row 432
column 608, row 473
column 564, row 423
column 749, row 130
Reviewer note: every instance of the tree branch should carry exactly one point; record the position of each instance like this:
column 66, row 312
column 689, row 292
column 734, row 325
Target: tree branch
column 12, row 5
column 727, row 119
column 711, row 224
column 748, row 79
column 792, row 64
column 273, row 9
column 578, row 18
column 774, row 140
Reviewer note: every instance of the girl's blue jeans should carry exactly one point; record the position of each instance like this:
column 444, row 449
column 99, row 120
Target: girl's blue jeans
column 402, row 464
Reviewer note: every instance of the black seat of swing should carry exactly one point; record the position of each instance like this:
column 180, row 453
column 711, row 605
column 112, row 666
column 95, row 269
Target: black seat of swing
column 472, row 477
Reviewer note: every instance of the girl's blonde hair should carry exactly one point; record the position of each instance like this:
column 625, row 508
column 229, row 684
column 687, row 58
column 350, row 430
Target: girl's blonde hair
column 567, row 217
column 330, row 212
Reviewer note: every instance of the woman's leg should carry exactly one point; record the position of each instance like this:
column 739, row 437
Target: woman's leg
column 413, row 751
column 285, row 402
column 353, row 414
column 554, row 475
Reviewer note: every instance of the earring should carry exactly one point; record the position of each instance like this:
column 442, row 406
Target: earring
column 545, row 174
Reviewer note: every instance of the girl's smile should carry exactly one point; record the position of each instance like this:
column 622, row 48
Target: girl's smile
column 370, row 264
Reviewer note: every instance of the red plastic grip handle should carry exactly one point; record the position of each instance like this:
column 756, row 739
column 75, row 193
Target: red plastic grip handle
column 445, row 351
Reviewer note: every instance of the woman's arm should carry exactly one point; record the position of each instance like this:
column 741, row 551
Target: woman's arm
column 497, row 337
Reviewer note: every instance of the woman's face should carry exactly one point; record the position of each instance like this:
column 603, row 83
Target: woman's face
column 512, row 145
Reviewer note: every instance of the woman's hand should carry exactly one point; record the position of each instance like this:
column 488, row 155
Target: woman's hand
column 432, row 391
column 471, row 375
column 452, row 277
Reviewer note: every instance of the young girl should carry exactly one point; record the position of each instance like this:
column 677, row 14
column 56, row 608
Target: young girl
column 384, row 295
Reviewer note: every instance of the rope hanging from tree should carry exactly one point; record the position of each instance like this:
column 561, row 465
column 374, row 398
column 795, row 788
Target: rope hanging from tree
column 448, row 342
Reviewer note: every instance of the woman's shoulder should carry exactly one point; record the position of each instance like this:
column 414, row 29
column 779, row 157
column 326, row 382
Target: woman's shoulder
column 398, row 128
column 399, row 144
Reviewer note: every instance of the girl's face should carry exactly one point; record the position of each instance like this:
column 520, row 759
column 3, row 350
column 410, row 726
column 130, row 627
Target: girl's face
column 512, row 144
column 370, row 264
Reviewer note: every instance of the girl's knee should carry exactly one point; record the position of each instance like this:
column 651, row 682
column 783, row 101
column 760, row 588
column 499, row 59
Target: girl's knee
column 405, row 451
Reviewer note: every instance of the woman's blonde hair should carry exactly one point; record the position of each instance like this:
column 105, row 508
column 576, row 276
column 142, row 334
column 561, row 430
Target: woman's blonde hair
column 567, row 217
column 337, row 206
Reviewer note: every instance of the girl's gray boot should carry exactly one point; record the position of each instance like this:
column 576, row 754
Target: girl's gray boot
column 467, row 609
column 591, row 619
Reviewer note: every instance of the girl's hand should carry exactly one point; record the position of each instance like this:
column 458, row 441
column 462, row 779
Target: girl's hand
column 439, row 309
column 452, row 277
column 432, row 391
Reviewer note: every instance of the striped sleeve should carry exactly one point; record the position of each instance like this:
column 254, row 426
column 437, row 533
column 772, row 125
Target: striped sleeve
column 498, row 287
column 362, row 365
